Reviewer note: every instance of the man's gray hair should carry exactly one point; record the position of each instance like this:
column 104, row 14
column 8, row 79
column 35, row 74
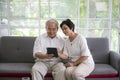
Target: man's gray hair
column 52, row 20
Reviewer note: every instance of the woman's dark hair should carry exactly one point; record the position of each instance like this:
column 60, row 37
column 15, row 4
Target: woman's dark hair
column 69, row 23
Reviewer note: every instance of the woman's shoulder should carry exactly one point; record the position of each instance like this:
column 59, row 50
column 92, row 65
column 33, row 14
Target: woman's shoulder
column 81, row 38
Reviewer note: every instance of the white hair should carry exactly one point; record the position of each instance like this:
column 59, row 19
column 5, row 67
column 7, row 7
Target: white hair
column 52, row 20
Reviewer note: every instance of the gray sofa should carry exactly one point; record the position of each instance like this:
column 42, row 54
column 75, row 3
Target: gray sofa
column 16, row 59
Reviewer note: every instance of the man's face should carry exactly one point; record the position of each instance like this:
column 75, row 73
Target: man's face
column 51, row 29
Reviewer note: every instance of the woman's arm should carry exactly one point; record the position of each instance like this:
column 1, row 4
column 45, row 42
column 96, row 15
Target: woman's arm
column 80, row 60
column 61, row 55
column 77, row 62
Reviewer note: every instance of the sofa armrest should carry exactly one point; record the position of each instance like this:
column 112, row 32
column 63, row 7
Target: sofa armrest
column 115, row 60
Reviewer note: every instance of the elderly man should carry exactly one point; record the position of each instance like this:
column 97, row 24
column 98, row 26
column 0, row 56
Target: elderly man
column 45, row 61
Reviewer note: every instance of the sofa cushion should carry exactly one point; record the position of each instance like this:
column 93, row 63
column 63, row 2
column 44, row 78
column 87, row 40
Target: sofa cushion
column 16, row 49
column 99, row 48
column 100, row 71
column 15, row 69
column 103, row 71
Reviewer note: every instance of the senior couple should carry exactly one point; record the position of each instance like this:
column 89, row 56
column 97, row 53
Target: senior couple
column 74, row 48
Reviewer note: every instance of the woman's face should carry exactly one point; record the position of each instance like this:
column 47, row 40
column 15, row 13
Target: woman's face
column 66, row 30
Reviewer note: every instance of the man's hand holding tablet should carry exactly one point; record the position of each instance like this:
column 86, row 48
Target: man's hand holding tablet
column 51, row 50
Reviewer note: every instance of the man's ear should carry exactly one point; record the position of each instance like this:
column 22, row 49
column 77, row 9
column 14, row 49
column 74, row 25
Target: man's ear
column 57, row 27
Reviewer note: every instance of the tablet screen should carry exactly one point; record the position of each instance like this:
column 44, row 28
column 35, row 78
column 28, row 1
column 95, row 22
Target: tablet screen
column 51, row 50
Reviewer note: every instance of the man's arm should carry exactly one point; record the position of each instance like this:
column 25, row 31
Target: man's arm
column 43, row 56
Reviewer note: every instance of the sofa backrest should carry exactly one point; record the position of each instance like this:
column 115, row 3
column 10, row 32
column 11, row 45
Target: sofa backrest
column 99, row 48
column 16, row 49
column 20, row 49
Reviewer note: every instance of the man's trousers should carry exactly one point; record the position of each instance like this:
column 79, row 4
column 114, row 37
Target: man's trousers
column 40, row 69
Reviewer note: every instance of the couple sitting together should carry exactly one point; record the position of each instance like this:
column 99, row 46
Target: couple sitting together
column 74, row 61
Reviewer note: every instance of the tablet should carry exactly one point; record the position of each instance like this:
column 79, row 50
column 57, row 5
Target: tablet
column 51, row 50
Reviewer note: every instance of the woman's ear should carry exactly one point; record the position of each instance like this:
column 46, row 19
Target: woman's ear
column 72, row 29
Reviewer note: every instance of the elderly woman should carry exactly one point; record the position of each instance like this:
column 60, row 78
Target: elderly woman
column 81, row 64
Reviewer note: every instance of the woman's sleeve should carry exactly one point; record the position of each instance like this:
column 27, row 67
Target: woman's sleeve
column 84, row 47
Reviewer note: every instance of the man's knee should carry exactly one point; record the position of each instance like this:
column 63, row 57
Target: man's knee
column 34, row 69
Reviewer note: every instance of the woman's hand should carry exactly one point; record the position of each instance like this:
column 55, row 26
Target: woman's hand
column 77, row 62
column 69, row 64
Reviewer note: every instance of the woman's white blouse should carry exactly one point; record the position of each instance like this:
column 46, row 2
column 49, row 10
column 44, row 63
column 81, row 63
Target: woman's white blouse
column 77, row 48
